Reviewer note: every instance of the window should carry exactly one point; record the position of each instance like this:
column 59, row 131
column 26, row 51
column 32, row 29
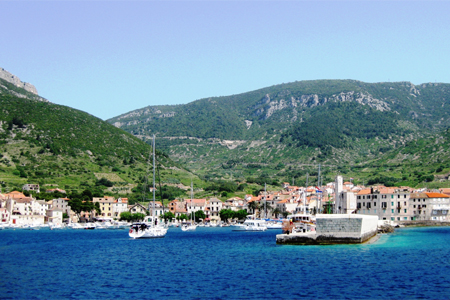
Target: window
column 383, row 204
column 405, row 210
column 364, row 203
column 374, row 204
column 392, row 211
column 392, row 203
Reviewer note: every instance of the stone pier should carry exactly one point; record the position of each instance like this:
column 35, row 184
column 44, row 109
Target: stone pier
column 335, row 229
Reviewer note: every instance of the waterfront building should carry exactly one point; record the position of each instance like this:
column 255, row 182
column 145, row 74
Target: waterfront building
column 62, row 204
column 106, row 205
column 430, row 206
column 119, row 206
column 177, row 207
column 214, row 206
column 55, row 216
column 159, row 209
column 237, row 203
column 193, row 205
column 4, row 215
column 388, row 203
column 348, row 202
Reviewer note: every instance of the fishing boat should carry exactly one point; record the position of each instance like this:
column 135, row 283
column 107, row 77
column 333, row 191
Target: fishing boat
column 149, row 227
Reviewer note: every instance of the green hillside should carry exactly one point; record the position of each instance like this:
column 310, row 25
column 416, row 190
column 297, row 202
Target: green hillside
column 57, row 146
column 284, row 131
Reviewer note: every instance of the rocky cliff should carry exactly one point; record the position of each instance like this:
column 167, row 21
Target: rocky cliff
column 5, row 75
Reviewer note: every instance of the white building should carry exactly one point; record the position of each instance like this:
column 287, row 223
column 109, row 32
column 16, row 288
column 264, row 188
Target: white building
column 119, row 206
column 55, row 216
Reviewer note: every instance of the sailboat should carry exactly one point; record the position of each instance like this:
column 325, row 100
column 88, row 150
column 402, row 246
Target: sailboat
column 189, row 226
column 149, row 227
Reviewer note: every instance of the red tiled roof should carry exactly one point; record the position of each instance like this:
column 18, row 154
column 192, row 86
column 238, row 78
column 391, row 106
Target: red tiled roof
column 437, row 195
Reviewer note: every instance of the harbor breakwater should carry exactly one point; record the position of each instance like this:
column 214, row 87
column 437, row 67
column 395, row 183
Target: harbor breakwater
column 335, row 229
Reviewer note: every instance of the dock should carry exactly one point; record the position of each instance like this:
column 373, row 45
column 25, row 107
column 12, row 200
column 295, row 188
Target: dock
column 335, row 229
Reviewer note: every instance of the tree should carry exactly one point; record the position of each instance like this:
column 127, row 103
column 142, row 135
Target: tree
column 253, row 206
column 137, row 217
column 182, row 217
column 240, row 214
column 168, row 216
column 276, row 212
column 199, row 214
column 125, row 216
column 226, row 214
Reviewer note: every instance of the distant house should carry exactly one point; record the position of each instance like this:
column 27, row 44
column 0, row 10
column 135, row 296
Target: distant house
column 55, row 190
column 177, row 207
column 137, row 208
column 31, row 187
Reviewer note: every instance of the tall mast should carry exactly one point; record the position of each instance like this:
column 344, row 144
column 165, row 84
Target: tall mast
column 192, row 198
column 319, row 197
column 304, row 194
column 154, row 164
column 265, row 200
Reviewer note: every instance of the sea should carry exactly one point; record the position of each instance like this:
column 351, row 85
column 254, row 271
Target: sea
column 218, row 263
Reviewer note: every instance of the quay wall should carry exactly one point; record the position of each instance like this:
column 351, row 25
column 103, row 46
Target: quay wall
column 336, row 229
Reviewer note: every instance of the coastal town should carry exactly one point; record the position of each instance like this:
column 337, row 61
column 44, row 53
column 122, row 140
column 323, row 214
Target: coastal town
column 389, row 204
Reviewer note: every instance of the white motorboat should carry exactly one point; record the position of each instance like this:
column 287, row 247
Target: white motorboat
column 55, row 226
column 149, row 228
column 275, row 225
column 188, row 226
column 75, row 226
column 251, row 225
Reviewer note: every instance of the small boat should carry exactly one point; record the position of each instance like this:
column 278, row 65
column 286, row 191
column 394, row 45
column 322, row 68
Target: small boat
column 89, row 226
column 188, row 226
column 149, row 228
column 251, row 225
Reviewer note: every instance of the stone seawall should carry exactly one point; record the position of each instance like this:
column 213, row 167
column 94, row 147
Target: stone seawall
column 335, row 229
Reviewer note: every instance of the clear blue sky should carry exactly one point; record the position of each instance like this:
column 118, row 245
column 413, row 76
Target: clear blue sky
column 111, row 57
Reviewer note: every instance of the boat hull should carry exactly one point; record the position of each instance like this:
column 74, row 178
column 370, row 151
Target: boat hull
column 147, row 233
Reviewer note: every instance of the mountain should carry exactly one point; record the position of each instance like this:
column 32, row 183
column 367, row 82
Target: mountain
column 286, row 130
column 58, row 146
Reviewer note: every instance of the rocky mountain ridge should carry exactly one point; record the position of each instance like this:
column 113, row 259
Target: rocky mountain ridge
column 5, row 75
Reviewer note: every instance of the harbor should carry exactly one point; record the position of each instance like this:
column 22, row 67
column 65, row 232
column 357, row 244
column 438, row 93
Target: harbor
column 106, row 264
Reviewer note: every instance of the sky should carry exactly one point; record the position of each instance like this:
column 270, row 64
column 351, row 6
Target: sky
column 111, row 57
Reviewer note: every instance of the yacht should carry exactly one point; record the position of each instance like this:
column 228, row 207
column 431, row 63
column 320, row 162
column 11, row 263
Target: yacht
column 149, row 228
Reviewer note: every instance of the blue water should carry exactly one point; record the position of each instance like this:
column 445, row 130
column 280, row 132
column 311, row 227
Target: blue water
column 217, row 263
